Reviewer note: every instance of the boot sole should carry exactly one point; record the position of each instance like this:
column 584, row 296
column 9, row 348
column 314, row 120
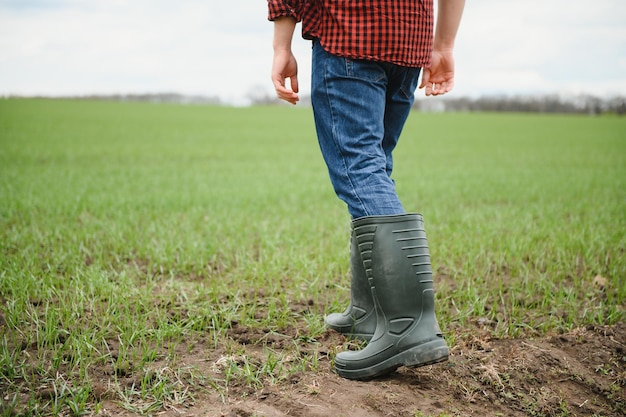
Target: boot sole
column 429, row 353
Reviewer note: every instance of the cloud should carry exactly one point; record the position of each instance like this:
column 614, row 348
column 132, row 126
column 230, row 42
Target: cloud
column 66, row 47
column 538, row 46
column 224, row 48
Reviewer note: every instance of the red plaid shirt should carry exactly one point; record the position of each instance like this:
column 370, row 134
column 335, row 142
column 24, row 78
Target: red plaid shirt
column 395, row 31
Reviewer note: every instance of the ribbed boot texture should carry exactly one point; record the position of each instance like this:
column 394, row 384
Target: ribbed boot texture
column 358, row 321
column 396, row 260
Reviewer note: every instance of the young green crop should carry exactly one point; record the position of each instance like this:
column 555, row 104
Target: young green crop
column 132, row 233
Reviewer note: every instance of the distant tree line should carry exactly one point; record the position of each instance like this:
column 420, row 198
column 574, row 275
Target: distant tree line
column 148, row 97
column 582, row 104
column 552, row 103
column 158, row 98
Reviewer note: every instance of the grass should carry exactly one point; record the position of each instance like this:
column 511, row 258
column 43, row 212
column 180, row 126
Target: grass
column 530, row 207
column 132, row 234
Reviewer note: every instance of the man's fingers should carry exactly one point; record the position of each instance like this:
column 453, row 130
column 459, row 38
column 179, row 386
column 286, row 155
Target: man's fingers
column 440, row 88
column 279, row 85
column 294, row 83
column 285, row 93
column 437, row 89
column 425, row 78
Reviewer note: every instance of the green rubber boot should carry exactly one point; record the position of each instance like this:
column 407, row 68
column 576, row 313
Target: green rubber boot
column 359, row 319
column 394, row 251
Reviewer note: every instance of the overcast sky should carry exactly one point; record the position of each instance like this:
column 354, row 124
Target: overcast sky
column 223, row 48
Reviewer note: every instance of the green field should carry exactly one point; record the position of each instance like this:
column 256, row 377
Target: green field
column 129, row 231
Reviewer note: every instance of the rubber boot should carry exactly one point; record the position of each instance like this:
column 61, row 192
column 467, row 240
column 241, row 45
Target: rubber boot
column 358, row 321
column 394, row 251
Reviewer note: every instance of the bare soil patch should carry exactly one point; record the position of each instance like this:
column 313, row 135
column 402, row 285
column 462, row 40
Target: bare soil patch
column 579, row 373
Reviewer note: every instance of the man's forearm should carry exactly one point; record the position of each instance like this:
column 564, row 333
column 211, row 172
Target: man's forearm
column 283, row 33
column 449, row 14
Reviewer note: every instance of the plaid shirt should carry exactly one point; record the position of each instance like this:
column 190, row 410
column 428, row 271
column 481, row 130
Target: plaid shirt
column 395, row 31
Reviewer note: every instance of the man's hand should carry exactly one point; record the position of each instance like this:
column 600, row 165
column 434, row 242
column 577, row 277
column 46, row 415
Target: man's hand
column 439, row 78
column 285, row 67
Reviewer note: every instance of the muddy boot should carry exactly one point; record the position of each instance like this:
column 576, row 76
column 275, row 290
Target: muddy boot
column 359, row 319
column 395, row 255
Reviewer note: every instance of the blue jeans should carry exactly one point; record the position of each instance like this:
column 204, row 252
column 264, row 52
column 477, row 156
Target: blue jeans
column 360, row 108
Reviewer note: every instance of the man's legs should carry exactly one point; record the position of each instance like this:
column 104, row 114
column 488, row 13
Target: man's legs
column 400, row 97
column 360, row 108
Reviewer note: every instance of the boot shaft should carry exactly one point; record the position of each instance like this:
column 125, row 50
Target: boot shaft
column 358, row 321
column 395, row 255
column 360, row 293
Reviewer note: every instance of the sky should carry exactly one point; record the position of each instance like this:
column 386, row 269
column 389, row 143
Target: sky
column 223, row 48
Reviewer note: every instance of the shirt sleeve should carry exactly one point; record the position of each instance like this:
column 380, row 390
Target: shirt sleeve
column 284, row 8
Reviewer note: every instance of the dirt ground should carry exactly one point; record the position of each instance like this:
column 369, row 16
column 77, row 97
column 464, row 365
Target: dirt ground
column 580, row 373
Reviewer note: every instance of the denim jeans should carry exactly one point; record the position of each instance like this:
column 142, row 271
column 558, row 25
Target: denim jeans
column 360, row 107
